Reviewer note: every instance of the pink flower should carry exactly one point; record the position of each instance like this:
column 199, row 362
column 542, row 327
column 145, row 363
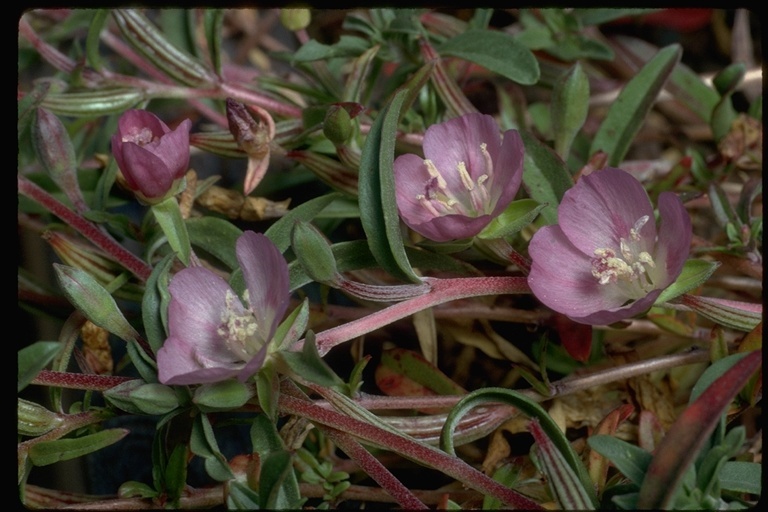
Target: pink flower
column 151, row 156
column 214, row 336
column 606, row 260
column 469, row 175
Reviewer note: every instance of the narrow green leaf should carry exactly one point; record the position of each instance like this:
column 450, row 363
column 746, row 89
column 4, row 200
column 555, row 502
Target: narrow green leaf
column 628, row 112
column 214, row 21
column 49, row 452
column 565, row 485
column 545, row 176
column 529, row 408
column 497, row 51
column 280, row 231
column 274, row 471
column 413, row 365
column 176, row 475
column 570, row 103
column 216, row 236
column 631, row 460
column 691, row 430
column 94, row 301
column 378, row 204
column 695, row 273
column 291, row 329
column 33, row 359
column 308, row 366
column 515, row 217
column 356, row 80
column 202, row 442
column 93, row 40
column 154, row 304
column 168, row 215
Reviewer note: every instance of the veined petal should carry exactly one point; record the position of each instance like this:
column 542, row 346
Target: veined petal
column 614, row 315
column 452, row 227
column 173, row 149
column 178, row 362
column 675, row 233
column 602, row 209
column 509, row 174
column 266, row 277
column 561, row 276
column 145, row 171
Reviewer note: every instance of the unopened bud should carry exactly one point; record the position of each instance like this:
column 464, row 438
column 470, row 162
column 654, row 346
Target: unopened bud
column 337, row 125
column 295, row 19
column 314, row 254
column 154, row 398
column 34, row 419
column 251, row 135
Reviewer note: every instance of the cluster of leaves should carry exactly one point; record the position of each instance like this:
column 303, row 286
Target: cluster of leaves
column 329, row 129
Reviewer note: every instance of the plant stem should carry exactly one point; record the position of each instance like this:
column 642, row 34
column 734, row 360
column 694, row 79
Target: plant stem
column 443, row 290
column 84, row 381
column 99, row 238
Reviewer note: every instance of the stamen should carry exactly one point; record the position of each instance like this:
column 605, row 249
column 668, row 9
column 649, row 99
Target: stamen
column 487, row 158
column 426, row 203
column 466, row 179
column 634, row 233
column 432, row 170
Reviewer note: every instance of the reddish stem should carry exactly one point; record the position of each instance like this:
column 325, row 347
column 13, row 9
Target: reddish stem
column 84, row 381
column 443, row 290
column 102, row 240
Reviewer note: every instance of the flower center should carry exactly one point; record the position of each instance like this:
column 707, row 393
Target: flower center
column 139, row 136
column 631, row 269
column 471, row 199
column 238, row 328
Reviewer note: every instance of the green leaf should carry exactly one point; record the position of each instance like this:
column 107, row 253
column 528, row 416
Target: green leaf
column 215, row 236
column 497, row 51
column 280, row 231
column 154, row 304
column 50, row 452
column 514, row 218
column 529, row 408
column 94, row 301
column 692, row 429
column 347, row 46
column 741, row 476
column 566, row 487
column 631, row 460
column 695, row 273
column 627, row 114
column 570, row 103
column 175, row 475
column 224, row 395
column 378, row 204
column 545, row 176
column 413, row 365
column 598, row 16
column 308, row 366
column 169, row 217
column 275, row 470
column 93, row 40
column 242, row 497
column 33, row 359
column 314, row 254
column 202, row 442
column 145, row 365
column 213, row 20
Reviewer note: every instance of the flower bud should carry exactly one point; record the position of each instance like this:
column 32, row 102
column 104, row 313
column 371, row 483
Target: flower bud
column 337, row 125
column 314, row 254
column 34, row 419
column 295, row 19
column 152, row 158
column 252, row 136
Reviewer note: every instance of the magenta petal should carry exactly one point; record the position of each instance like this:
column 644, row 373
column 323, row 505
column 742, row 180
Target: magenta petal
column 561, row 276
column 173, row 149
column 614, row 315
column 509, row 171
column 135, row 119
column 410, row 178
column 145, row 171
column 675, row 235
column 266, row 277
column 451, row 227
column 602, row 208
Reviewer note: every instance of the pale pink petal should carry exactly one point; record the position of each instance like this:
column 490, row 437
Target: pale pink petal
column 508, row 172
column 602, row 208
column 266, row 276
column 675, row 235
column 179, row 363
column 562, row 279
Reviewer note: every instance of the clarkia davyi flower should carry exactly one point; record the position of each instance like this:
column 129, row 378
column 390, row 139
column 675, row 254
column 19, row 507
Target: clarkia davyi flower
column 606, row 260
column 213, row 335
column 468, row 176
column 151, row 156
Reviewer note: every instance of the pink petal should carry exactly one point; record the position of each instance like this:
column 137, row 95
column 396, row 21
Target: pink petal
column 561, row 276
column 135, row 119
column 601, row 209
column 266, row 276
column 508, row 171
column 173, row 149
column 609, row 316
column 179, row 363
column 145, row 171
column 451, row 227
column 675, row 232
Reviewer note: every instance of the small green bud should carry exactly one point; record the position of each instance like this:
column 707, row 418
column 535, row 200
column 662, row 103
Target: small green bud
column 314, row 253
column 337, row 125
column 34, row 419
column 228, row 394
column 295, row 19
column 154, row 398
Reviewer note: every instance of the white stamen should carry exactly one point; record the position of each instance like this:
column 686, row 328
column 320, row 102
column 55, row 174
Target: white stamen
column 432, row 170
column 466, row 179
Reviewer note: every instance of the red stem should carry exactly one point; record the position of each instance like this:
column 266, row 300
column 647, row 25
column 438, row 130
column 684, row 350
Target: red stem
column 84, row 381
column 443, row 290
column 105, row 242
